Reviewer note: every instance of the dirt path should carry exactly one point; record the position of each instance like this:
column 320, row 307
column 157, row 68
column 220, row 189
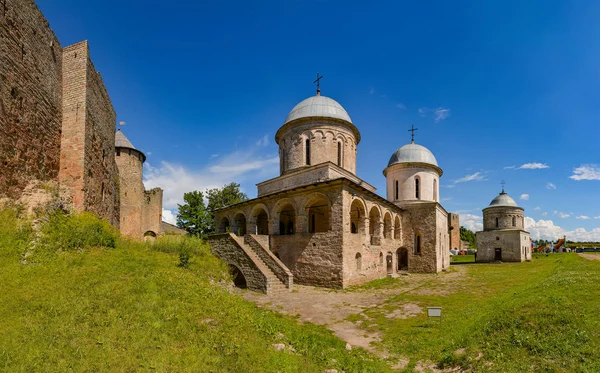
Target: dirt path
column 332, row 307
column 589, row 256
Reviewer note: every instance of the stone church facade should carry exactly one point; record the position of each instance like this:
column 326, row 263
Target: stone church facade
column 320, row 224
column 57, row 125
column 503, row 238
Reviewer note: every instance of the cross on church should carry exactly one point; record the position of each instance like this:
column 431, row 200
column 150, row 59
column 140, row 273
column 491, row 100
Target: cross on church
column 503, row 184
column 318, row 82
column 412, row 129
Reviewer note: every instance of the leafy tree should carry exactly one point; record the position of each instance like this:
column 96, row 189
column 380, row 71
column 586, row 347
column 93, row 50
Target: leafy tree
column 468, row 235
column 220, row 197
column 196, row 217
column 193, row 215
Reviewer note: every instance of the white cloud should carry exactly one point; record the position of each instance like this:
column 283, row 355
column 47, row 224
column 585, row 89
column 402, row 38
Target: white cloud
column 583, row 217
column 562, row 215
column 586, row 172
column 264, row 141
column 239, row 166
column 477, row 176
column 213, row 156
column 438, row 114
column 441, row 114
column 169, row 216
column 510, row 167
column 537, row 208
column 401, row 106
column 471, row 221
column 524, row 196
column 533, row 166
column 550, row 186
column 546, row 230
column 544, row 214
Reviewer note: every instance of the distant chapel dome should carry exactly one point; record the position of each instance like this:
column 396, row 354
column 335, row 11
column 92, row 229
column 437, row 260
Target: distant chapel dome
column 318, row 107
column 412, row 153
column 503, row 200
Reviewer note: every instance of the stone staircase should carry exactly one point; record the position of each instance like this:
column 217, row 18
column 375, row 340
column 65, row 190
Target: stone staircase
column 252, row 249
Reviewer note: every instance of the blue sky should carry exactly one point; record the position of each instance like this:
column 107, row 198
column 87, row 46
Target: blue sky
column 499, row 91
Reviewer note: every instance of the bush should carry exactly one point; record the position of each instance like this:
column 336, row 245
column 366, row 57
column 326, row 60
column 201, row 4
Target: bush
column 15, row 233
column 76, row 231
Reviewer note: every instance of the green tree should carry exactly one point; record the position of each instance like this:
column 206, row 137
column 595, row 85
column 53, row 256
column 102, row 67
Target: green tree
column 193, row 215
column 468, row 235
column 220, row 197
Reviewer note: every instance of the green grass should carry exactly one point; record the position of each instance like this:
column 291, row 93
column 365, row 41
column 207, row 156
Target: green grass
column 133, row 308
column 510, row 317
column 463, row 258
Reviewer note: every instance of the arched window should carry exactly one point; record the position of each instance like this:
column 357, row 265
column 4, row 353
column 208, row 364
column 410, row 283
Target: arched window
column 339, row 154
column 496, row 222
column 358, row 258
column 308, row 152
column 417, row 188
column 396, row 190
column 418, row 244
column 435, row 193
column 514, row 219
column 380, row 259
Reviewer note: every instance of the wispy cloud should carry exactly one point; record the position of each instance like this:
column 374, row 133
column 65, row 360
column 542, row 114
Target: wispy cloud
column 477, row 176
column 550, row 186
column 438, row 114
column 524, row 196
column 538, row 208
column 544, row 214
column 400, row 106
column 562, row 215
column 586, row 172
column 533, row 166
column 583, row 217
column 264, row 141
column 213, row 156
column 240, row 166
column 510, row 167
column 596, row 217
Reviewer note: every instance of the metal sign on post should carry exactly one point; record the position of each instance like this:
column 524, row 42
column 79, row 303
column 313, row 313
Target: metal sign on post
column 435, row 312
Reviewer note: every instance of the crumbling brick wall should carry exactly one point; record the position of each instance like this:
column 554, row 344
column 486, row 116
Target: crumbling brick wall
column 152, row 211
column 30, row 97
column 87, row 166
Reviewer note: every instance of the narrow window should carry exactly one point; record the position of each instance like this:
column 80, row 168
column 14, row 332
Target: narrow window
column 358, row 258
column 396, row 190
column 312, row 223
column 514, row 221
column 418, row 245
column 417, row 194
column 496, row 222
column 118, row 152
column 308, row 152
column 339, row 154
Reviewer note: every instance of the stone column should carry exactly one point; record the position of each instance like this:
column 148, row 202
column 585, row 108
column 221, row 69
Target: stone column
column 272, row 226
column 301, row 224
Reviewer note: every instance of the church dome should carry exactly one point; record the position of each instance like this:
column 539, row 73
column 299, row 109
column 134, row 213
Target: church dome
column 503, row 200
column 318, row 106
column 412, row 153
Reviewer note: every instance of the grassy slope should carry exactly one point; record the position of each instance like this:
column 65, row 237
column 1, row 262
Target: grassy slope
column 538, row 316
column 132, row 308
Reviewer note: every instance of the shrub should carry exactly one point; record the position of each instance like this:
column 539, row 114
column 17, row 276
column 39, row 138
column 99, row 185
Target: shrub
column 15, row 233
column 76, row 231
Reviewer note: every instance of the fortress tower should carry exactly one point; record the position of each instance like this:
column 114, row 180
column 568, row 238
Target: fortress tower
column 141, row 210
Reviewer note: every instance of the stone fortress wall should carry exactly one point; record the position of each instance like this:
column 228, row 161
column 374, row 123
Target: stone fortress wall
column 30, row 98
column 57, row 123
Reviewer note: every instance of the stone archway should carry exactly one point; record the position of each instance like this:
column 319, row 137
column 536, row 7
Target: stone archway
column 287, row 219
column 239, row 224
column 239, row 280
column 224, row 225
column 402, row 259
column 318, row 214
column 357, row 216
column 149, row 236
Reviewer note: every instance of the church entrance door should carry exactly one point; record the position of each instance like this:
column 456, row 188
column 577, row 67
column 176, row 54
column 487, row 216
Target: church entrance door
column 498, row 254
column 390, row 265
column 402, row 254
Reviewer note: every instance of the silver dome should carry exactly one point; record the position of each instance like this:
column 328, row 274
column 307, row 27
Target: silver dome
column 412, row 153
column 318, row 106
column 503, row 200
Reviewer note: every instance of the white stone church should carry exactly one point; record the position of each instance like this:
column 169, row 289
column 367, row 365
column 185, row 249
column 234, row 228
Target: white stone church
column 319, row 224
